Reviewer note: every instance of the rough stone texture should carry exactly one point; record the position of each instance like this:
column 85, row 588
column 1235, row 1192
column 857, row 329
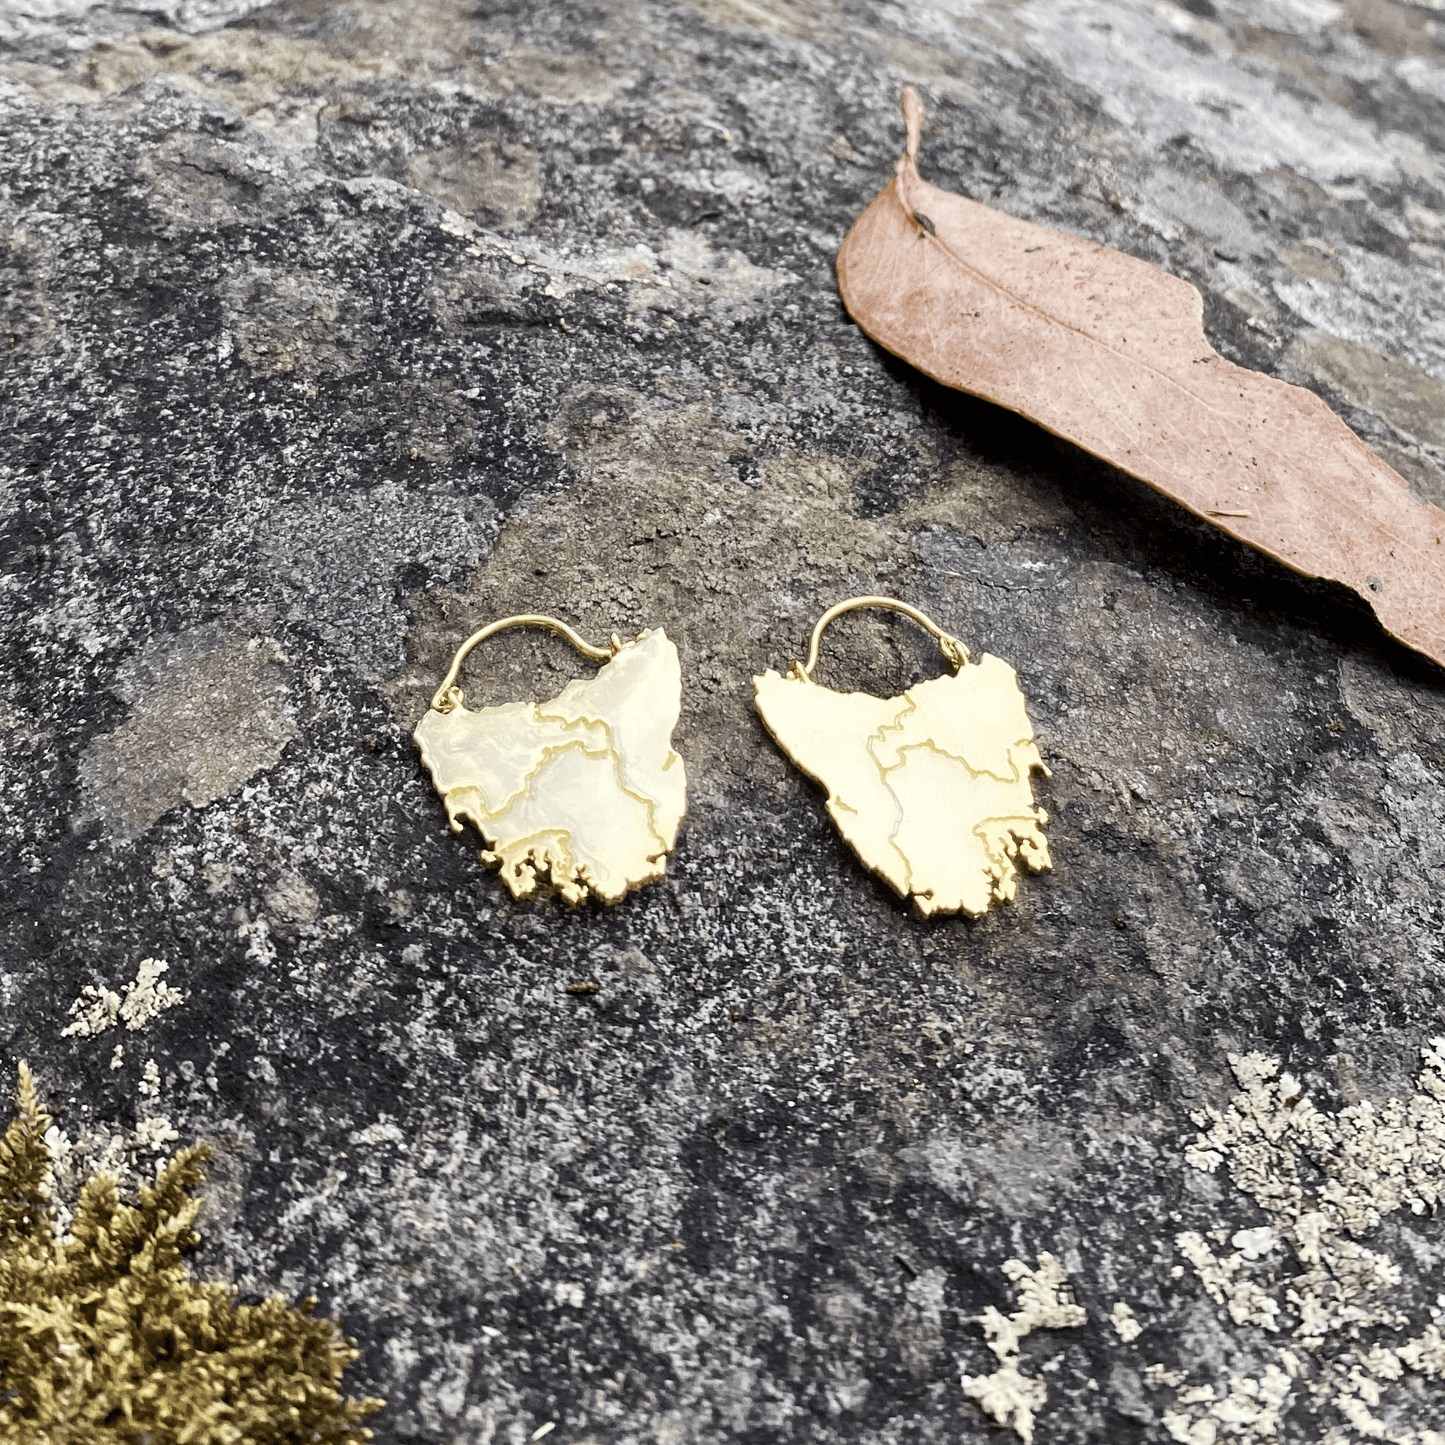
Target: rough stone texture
column 332, row 330
column 207, row 712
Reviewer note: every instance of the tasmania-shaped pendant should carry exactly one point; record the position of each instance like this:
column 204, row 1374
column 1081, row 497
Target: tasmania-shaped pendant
column 931, row 789
column 582, row 794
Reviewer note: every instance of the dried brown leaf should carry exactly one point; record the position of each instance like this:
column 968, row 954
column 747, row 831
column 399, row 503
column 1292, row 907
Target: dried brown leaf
column 1109, row 353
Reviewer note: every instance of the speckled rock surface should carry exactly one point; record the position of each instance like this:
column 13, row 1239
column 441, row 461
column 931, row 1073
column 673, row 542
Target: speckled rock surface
column 330, row 331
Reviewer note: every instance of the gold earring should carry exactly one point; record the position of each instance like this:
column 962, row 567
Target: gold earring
column 931, row 789
column 582, row 794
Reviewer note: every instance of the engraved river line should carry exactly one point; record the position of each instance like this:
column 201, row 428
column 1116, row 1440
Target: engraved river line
column 931, row 789
column 580, row 794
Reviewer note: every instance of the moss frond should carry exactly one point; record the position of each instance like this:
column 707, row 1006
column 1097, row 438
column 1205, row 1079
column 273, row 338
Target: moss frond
column 25, row 1210
column 105, row 1338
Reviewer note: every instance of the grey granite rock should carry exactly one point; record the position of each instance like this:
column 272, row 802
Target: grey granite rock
column 329, row 331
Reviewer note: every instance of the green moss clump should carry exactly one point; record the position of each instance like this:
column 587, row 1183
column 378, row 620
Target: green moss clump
column 104, row 1338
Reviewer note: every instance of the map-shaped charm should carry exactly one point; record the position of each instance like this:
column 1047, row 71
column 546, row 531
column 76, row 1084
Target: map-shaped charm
column 582, row 794
column 932, row 789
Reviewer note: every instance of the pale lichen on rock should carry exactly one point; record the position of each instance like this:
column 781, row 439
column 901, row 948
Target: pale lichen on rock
column 1046, row 1302
column 138, row 1002
column 1323, row 1180
column 1126, row 1324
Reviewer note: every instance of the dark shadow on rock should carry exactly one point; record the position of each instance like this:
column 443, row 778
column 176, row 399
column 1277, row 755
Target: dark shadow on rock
column 1128, row 521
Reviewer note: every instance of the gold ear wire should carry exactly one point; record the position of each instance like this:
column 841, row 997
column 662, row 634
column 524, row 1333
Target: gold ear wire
column 449, row 695
column 954, row 652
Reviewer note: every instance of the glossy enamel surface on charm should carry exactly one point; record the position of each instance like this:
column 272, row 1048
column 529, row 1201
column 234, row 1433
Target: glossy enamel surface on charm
column 931, row 789
column 582, row 794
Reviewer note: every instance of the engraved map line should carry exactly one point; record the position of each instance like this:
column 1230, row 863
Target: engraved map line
column 896, row 724
column 549, row 752
column 618, row 752
column 977, row 829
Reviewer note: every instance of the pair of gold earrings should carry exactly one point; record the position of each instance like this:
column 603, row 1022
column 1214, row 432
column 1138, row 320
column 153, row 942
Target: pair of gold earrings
column 584, row 794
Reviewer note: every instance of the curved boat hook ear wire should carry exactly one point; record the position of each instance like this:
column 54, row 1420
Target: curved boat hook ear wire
column 954, row 652
column 932, row 788
column 580, row 795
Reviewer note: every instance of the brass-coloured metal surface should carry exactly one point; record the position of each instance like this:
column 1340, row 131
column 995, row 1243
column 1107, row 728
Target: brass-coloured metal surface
column 448, row 695
column 582, row 794
column 954, row 652
column 932, row 788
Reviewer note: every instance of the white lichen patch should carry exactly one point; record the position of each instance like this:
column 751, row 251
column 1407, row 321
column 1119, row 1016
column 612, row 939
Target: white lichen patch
column 110, row 1157
column 1125, row 1325
column 1322, row 1181
column 140, row 1001
column 1250, row 1411
column 153, row 1134
column 100, row 1146
column 1045, row 1303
